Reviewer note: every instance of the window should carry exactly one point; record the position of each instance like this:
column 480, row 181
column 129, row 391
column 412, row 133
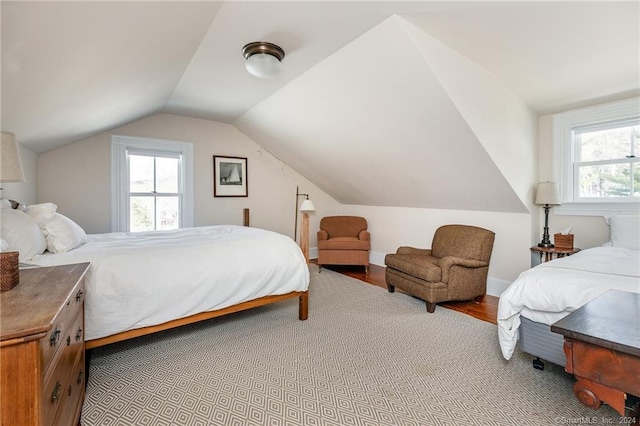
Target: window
column 599, row 158
column 605, row 162
column 152, row 184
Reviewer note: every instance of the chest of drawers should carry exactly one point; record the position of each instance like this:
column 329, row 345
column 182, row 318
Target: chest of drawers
column 42, row 347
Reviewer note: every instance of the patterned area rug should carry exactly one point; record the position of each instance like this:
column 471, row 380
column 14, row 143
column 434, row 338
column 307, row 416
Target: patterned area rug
column 364, row 357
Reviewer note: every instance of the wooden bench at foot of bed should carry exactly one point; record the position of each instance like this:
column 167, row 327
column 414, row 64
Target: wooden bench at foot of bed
column 303, row 314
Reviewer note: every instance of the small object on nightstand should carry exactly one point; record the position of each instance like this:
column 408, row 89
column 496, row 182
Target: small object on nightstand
column 563, row 241
column 9, row 271
column 550, row 252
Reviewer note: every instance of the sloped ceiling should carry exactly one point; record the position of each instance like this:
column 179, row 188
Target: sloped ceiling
column 388, row 123
column 364, row 107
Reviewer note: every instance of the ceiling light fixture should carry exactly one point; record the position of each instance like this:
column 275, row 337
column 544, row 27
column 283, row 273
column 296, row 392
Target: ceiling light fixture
column 263, row 59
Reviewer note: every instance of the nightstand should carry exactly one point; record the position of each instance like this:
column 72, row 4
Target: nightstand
column 549, row 253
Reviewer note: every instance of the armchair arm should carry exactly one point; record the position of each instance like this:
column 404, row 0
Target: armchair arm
column 447, row 262
column 323, row 235
column 413, row 250
column 364, row 235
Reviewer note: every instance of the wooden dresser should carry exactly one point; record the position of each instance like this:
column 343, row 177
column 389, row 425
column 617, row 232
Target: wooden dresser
column 42, row 347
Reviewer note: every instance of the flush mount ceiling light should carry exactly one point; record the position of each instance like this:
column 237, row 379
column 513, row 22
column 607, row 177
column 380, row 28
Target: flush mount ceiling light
column 263, row 59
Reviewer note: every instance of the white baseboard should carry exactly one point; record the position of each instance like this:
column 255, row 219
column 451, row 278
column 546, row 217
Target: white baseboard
column 495, row 286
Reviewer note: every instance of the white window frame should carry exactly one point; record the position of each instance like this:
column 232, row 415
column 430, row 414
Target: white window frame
column 563, row 149
column 120, row 177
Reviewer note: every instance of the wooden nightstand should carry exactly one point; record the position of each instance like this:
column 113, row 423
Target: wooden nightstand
column 549, row 253
column 42, row 347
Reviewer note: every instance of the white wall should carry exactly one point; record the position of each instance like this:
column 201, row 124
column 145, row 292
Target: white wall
column 76, row 177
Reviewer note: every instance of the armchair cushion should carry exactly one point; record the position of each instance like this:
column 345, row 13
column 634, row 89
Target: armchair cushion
column 423, row 267
column 344, row 243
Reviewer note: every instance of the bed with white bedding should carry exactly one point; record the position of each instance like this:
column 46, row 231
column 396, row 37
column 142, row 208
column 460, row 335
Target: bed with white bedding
column 550, row 291
column 139, row 283
column 138, row 280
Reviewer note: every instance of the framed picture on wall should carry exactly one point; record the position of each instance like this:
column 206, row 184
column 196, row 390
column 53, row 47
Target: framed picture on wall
column 229, row 176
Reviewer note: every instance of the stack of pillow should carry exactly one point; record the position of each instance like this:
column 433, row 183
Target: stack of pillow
column 38, row 228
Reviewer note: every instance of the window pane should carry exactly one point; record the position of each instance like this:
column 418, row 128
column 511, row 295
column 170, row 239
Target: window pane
column 605, row 181
column 636, row 180
column 141, row 214
column 140, row 173
column 607, row 144
column 167, row 214
column 167, row 175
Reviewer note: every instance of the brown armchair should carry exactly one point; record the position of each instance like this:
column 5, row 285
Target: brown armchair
column 454, row 268
column 344, row 240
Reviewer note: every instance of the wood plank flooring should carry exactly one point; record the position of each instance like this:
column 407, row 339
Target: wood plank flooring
column 487, row 310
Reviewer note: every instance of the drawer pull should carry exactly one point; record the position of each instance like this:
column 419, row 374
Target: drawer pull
column 53, row 340
column 68, row 340
column 56, row 393
column 69, row 390
column 79, row 296
column 79, row 335
column 80, row 376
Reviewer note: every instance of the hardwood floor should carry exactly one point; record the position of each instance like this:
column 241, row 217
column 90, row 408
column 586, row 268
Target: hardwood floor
column 487, row 310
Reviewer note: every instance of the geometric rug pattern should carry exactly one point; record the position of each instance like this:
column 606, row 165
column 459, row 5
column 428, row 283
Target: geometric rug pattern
column 364, row 357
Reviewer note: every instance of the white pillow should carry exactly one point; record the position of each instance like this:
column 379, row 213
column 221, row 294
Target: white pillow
column 42, row 213
column 22, row 234
column 624, row 230
column 63, row 234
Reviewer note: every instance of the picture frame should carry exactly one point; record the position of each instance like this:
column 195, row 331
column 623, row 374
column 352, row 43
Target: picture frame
column 230, row 176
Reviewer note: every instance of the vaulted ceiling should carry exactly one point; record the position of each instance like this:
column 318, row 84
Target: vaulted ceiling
column 378, row 102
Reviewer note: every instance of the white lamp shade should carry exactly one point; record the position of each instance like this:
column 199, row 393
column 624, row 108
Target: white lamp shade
column 263, row 65
column 307, row 206
column 548, row 193
column 10, row 162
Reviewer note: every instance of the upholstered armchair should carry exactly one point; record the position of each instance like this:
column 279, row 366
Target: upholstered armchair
column 344, row 240
column 454, row 268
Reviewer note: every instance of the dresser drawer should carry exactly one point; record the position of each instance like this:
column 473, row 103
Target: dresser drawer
column 58, row 383
column 73, row 395
column 56, row 338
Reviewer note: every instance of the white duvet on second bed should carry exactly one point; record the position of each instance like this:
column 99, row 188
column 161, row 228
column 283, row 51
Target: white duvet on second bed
column 552, row 290
column 148, row 278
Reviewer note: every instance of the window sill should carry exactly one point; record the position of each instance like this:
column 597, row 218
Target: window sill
column 595, row 209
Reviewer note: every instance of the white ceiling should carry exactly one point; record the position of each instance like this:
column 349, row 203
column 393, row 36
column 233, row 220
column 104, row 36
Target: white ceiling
column 74, row 69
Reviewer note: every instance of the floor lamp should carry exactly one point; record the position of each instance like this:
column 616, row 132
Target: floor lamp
column 547, row 195
column 306, row 208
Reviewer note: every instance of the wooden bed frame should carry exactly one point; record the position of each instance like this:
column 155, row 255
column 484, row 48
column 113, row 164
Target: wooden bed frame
column 303, row 314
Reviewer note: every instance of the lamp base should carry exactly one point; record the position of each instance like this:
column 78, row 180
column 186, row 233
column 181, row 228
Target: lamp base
column 546, row 245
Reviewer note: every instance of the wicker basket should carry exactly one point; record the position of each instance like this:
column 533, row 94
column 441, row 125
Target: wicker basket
column 563, row 241
column 9, row 271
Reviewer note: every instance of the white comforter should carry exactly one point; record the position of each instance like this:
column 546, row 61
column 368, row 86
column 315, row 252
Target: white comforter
column 552, row 290
column 142, row 279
